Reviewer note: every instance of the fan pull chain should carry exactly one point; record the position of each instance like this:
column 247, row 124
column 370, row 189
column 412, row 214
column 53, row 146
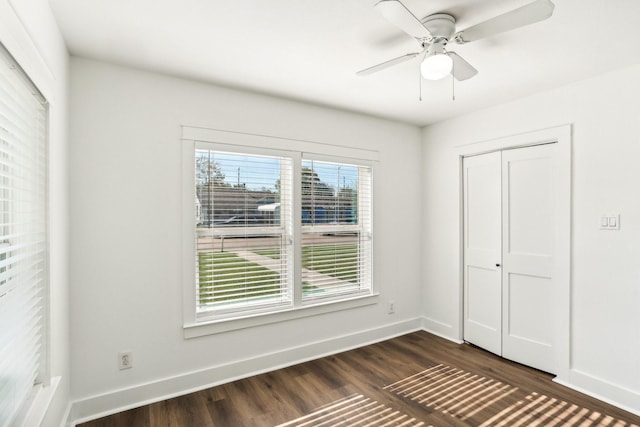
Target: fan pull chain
column 420, row 75
column 453, row 83
column 419, row 85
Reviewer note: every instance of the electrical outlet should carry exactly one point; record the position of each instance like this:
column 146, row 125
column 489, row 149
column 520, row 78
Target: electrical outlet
column 391, row 308
column 125, row 360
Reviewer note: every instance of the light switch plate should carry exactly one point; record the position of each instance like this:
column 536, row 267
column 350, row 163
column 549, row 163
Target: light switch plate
column 610, row 222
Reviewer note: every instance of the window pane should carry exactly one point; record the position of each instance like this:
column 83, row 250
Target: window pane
column 242, row 242
column 329, row 193
column 331, row 264
column 336, row 243
column 237, row 190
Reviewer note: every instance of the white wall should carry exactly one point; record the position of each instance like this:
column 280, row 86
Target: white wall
column 29, row 31
column 605, row 116
column 125, row 240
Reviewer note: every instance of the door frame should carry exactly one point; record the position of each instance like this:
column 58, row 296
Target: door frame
column 560, row 135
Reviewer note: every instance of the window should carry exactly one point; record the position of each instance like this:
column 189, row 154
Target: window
column 276, row 231
column 336, row 230
column 23, row 238
column 243, row 232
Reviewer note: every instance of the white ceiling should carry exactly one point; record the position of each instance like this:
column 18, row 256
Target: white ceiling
column 309, row 50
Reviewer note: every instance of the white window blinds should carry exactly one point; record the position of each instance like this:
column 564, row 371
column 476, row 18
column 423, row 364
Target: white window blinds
column 243, row 231
column 277, row 230
column 336, row 230
column 23, row 238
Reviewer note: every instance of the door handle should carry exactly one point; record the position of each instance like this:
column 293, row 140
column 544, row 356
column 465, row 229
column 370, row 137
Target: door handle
column 498, row 265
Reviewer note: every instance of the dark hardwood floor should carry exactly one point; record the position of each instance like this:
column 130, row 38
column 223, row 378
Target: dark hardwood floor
column 414, row 380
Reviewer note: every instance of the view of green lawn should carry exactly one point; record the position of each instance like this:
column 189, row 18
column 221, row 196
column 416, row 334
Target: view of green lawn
column 224, row 276
column 337, row 260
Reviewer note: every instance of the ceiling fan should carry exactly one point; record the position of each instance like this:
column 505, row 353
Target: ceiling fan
column 434, row 32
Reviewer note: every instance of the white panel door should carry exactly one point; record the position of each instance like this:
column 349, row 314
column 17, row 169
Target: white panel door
column 482, row 251
column 510, row 219
column 528, row 230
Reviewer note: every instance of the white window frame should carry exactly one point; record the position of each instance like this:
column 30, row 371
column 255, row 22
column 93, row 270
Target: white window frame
column 237, row 142
column 363, row 226
column 253, row 308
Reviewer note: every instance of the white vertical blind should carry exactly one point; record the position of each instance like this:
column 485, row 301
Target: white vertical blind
column 243, row 256
column 23, row 238
column 336, row 230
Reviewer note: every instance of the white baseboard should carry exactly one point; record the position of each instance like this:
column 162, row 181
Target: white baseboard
column 143, row 394
column 613, row 394
column 440, row 329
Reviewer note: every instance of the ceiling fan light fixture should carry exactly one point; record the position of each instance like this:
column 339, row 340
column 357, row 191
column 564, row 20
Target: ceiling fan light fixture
column 435, row 31
column 436, row 66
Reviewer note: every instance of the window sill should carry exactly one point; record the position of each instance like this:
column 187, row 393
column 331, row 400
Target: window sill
column 35, row 409
column 225, row 325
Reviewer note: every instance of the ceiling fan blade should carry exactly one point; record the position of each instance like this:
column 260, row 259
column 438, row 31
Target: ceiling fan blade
column 537, row 11
column 398, row 14
column 462, row 70
column 387, row 64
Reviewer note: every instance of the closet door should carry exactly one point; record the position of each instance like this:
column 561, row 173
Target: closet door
column 482, row 251
column 528, row 230
column 509, row 225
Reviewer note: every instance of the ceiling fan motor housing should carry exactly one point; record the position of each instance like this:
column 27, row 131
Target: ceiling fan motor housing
column 441, row 26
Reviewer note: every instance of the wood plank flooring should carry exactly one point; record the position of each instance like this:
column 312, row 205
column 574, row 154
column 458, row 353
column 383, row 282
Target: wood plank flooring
column 414, row 380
